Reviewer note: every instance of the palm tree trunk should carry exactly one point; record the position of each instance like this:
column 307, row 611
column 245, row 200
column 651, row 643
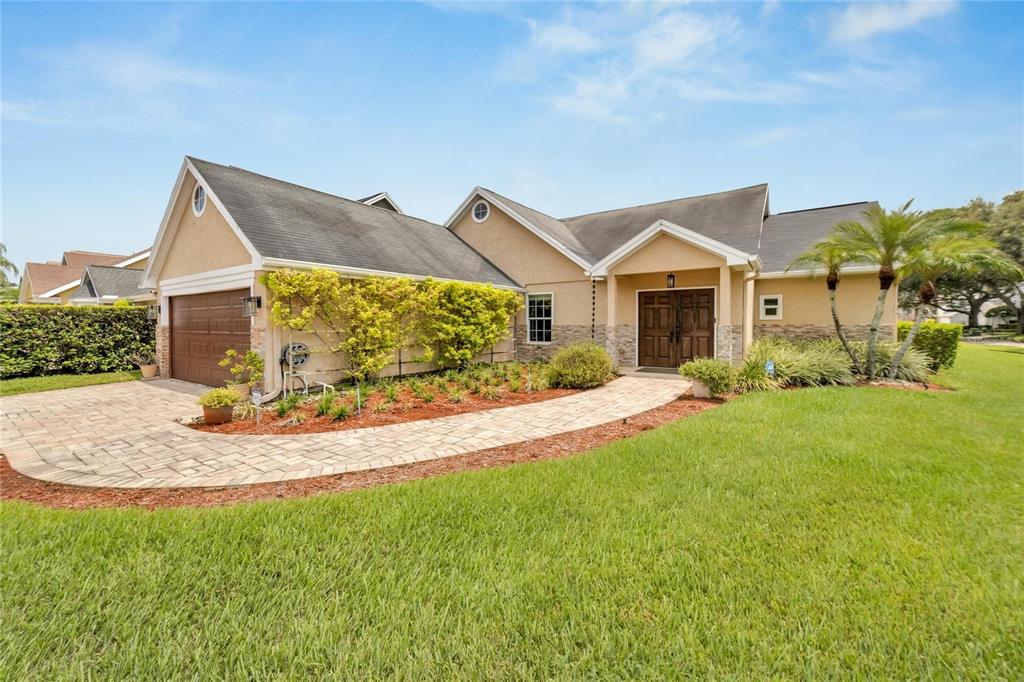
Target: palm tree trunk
column 876, row 321
column 907, row 342
column 839, row 331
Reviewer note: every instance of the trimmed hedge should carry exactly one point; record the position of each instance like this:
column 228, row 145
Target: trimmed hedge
column 580, row 365
column 54, row 339
column 937, row 340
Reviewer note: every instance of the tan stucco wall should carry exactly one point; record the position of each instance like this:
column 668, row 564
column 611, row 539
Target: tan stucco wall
column 628, row 286
column 666, row 253
column 141, row 265
column 805, row 300
column 199, row 244
column 572, row 302
column 519, row 253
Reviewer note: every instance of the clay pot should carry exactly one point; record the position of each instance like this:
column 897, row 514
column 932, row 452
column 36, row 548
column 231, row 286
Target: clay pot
column 149, row 371
column 217, row 415
column 698, row 389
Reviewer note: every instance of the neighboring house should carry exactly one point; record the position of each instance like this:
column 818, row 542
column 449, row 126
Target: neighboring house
column 105, row 285
column 58, row 282
column 655, row 284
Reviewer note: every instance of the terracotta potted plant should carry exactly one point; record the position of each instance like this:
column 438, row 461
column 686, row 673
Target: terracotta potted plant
column 218, row 405
column 146, row 362
column 246, row 370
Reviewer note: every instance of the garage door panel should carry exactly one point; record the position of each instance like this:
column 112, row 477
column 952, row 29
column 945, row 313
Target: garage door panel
column 203, row 327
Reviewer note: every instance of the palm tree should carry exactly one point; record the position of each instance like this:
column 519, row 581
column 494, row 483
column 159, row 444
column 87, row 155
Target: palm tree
column 831, row 256
column 886, row 239
column 6, row 266
column 947, row 255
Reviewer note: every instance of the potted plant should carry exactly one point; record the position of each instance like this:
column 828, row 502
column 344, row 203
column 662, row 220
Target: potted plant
column 218, row 404
column 246, row 370
column 146, row 362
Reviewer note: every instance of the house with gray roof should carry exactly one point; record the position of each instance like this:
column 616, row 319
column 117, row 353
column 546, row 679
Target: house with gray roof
column 106, row 285
column 656, row 284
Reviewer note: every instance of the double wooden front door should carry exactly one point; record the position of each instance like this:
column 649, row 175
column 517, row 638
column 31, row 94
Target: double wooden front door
column 676, row 326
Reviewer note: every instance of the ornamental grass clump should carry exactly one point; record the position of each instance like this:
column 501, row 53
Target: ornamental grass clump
column 818, row 363
column 580, row 365
column 325, row 403
column 718, row 376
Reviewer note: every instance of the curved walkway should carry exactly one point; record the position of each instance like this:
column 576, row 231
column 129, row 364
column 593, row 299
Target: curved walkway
column 125, row 435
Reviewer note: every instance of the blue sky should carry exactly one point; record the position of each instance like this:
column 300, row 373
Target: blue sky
column 567, row 108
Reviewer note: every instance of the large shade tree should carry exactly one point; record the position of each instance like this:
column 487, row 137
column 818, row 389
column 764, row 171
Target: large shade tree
column 955, row 254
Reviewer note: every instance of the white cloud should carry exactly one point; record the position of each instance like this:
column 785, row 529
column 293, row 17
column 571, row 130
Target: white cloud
column 561, row 37
column 863, row 20
column 769, row 137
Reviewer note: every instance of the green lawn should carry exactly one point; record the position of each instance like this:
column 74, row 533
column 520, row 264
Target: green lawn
column 818, row 533
column 54, row 381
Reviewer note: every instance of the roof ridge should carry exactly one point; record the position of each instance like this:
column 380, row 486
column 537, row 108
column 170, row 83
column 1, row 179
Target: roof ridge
column 514, row 201
column 665, row 201
column 822, row 208
column 313, row 189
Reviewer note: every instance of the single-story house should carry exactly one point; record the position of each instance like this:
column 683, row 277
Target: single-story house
column 656, row 284
column 58, row 282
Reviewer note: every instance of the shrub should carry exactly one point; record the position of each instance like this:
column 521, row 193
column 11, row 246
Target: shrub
column 580, row 365
column 53, row 339
column 325, row 403
column 1018, row 339
column 219, row 397
column 492, row 393
column 456, row 396
column 937, row 340
column 718, row 376
column 287, row 404
column 247, row 369
column 818, row 363
column 341, row 412
column 515, row 385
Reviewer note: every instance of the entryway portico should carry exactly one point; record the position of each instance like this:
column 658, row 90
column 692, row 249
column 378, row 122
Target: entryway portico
column 673, row 297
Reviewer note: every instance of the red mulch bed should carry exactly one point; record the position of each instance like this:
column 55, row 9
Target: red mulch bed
column 407, row 408
column 14, row 486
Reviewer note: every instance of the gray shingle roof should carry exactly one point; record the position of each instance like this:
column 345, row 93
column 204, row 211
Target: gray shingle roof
column 101, row 280
column 288, row 221
column 787, row 235
column 732, row 217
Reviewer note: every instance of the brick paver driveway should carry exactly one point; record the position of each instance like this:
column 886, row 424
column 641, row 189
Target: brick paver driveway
column 125, row 435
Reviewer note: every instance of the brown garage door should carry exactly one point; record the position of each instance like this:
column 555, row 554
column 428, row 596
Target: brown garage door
column 203, row 326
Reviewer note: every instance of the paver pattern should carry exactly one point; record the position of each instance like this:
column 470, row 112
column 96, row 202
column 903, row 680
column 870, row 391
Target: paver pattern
column 126, row 435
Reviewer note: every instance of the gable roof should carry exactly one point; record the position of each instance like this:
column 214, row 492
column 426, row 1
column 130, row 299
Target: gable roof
column 287, row 223
column 100, row 281
column 730, row 219
column 83, row 258
column 45, row 277
column 735, row 224
column 787, row 235
column 381, row 200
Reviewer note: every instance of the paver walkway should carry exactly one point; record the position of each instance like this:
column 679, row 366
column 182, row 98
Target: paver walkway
column 125, row 435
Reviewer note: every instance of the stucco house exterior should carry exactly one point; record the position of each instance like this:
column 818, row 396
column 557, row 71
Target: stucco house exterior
column 60, row 282
column 656, row 284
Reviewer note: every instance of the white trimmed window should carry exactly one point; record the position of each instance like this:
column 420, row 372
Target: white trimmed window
column 771, row 307
column 481, row 210
column 198, row 200
column 539, row 314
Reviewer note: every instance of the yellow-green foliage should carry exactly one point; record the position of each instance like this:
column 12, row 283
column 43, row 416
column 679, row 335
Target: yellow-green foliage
column 369, row 319
column 461, row 319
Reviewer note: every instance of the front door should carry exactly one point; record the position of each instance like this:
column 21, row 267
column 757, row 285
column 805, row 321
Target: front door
column 676, row 326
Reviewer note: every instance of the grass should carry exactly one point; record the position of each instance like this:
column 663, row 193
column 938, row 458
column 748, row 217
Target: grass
column 53, row 382
column 819, row 533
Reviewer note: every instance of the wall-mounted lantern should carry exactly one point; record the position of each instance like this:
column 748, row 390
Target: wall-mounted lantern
column 152, row 312
column 671, row 280
column 250, row 304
